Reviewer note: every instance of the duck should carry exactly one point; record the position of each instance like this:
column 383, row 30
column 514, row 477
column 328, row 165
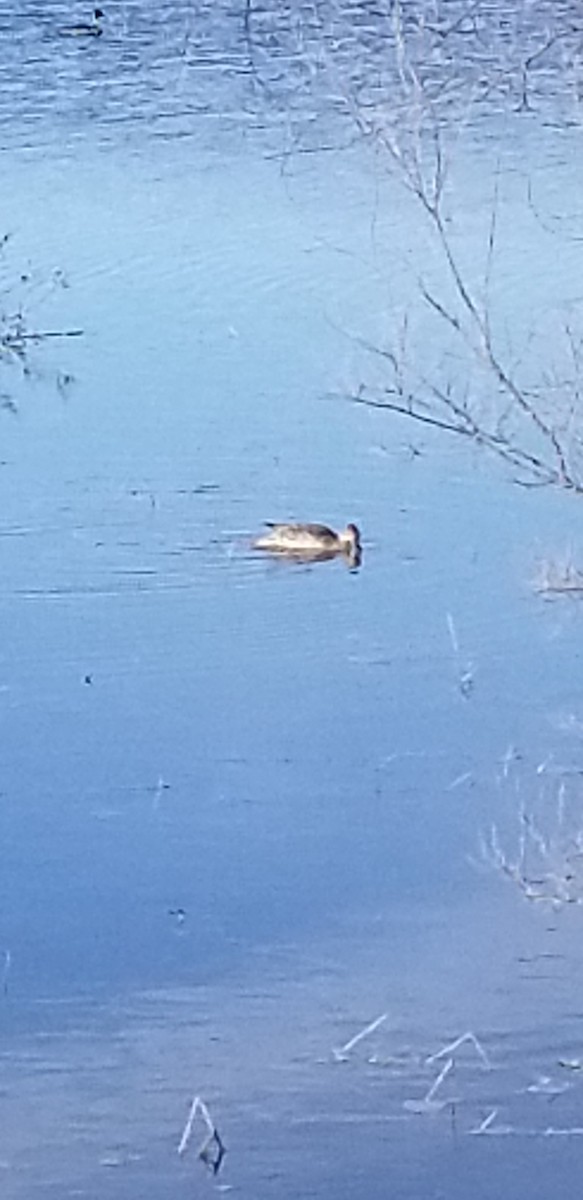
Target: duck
column 311, row 541
column 85, row 28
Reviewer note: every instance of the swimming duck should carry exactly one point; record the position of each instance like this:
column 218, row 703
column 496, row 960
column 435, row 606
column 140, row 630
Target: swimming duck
column 86, row 29
column 310, row 541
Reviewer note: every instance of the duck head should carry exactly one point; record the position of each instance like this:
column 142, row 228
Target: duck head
column 352, row 539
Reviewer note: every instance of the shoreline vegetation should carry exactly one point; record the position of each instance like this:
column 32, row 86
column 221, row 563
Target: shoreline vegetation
column 434, row 71
column 535, row 428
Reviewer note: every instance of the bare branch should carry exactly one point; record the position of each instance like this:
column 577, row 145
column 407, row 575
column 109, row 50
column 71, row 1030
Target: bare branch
column 405, row 146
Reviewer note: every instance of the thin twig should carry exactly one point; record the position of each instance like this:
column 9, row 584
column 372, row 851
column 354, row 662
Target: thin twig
column 341, row 1054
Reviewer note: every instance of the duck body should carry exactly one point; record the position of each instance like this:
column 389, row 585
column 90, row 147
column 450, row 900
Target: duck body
column 310, row 541
column 85, row 28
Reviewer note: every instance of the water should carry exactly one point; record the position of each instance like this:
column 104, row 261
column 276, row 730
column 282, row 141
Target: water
column 247, row 807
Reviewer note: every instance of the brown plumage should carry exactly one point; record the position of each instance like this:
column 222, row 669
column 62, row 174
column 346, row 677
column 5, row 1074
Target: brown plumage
column 310, row 541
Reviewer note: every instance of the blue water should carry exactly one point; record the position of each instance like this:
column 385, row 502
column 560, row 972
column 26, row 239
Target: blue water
column 247, row 806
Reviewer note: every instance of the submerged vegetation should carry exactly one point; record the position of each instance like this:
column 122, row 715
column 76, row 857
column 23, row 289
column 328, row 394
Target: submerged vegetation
column 546, row 864
column 23, row 293
column 558, row 577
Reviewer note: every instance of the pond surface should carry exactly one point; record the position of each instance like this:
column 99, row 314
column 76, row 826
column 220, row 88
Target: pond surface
column 253, row 809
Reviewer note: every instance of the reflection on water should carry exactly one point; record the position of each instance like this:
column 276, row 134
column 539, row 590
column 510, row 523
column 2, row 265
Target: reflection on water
column 110, row 1085
column 298, row 840
column 311, row 543
column 245, row 68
